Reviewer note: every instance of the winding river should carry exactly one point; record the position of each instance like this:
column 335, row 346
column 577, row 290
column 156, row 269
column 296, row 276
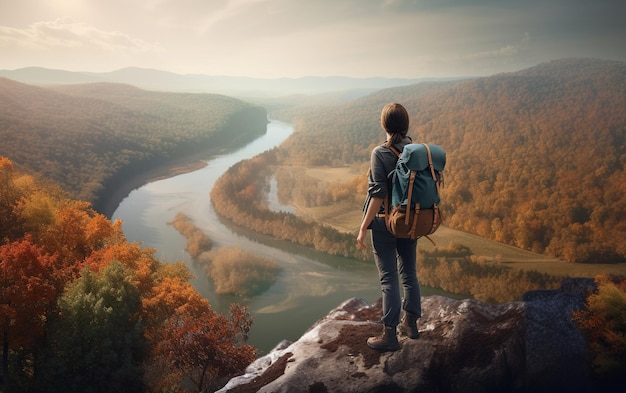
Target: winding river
column 309, row 285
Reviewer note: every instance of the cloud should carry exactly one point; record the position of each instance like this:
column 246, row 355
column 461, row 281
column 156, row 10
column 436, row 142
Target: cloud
column 230, row 10
column 65, row 33
column 272, row 38
column 422, row 5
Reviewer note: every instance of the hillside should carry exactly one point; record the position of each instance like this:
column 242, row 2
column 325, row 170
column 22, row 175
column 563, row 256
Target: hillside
column 87, row 138
column 536, row 158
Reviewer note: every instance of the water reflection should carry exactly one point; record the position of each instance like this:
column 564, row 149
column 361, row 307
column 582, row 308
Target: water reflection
column 272, row 199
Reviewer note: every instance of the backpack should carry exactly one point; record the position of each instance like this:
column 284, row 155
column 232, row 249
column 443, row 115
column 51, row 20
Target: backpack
column 417, row 177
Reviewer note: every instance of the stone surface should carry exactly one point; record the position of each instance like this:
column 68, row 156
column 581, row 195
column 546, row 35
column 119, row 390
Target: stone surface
column 465, row 346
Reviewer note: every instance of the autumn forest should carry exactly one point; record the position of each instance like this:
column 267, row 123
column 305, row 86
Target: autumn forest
column 536, row 159
column 68, row 148
column 80, row 304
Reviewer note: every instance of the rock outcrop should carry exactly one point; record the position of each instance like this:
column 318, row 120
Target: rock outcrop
column 530, row 345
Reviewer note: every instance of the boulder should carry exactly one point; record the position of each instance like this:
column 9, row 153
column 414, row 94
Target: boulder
column 530, row 345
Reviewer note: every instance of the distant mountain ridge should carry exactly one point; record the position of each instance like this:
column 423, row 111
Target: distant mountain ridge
column 152, row 79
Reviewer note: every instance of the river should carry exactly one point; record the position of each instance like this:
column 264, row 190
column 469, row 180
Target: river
column 309, row 285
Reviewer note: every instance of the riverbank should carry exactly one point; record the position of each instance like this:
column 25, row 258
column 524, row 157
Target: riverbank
column 172, row 168
column 114, row 194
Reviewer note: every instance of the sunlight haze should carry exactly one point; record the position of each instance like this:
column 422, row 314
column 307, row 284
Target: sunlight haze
column 287, row 38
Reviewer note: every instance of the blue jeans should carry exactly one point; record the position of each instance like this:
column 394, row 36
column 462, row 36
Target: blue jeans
column 396, row 261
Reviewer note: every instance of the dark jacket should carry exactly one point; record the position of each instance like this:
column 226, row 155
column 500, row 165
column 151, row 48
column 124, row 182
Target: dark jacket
column 382, row 162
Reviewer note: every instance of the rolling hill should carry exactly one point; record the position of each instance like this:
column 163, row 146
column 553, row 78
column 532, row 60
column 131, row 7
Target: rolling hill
column 536, row 158
column 87, row 137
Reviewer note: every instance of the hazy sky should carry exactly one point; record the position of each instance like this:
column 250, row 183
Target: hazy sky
column 293, row 38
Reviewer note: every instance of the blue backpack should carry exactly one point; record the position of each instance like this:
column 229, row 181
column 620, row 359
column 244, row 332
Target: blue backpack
column 415, row 183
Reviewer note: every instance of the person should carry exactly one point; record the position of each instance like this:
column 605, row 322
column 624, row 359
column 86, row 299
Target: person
column 395, row 258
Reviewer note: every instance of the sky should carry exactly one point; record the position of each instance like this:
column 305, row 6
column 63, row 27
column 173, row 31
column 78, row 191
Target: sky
column 296, row 38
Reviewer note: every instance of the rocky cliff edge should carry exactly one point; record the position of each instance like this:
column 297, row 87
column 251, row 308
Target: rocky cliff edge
column 531, row 345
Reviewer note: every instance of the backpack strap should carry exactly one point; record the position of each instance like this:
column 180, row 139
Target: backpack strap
column 410, row 193
column 394, row 150
column 398, row 154
column 439, row 180
column 431, row 240
column 409, row 200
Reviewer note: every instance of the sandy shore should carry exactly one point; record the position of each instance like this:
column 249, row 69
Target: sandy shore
column 111, row 199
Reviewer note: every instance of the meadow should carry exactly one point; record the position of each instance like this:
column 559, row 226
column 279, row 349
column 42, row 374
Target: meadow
column 346, row 217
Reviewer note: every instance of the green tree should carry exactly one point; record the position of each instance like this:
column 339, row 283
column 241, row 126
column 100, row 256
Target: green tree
column 97, row 342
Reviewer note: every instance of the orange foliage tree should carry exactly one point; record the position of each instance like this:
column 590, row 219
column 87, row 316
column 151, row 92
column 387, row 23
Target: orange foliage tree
column 193, row 342
column 10, row 194
column 27, row 295
column 604, row 321
column 59, row 257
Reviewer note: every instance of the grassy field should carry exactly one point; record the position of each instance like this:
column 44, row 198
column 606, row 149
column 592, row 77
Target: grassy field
column 346, row 217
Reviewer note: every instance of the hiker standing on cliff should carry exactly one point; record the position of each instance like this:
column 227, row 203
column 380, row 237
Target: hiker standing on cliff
column 395, row 258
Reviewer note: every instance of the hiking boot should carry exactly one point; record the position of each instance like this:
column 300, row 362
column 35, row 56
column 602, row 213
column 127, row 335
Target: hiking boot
column 387, row 342
column 408, row 326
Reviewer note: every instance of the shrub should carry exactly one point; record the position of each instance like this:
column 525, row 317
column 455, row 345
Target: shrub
column 604, row 321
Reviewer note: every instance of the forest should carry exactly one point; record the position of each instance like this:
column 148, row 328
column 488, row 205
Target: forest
column 238, row 196
column 90, row 138
column 82, row 307
column 536, row 158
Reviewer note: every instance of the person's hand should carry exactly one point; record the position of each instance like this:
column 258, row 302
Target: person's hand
column 360, row 239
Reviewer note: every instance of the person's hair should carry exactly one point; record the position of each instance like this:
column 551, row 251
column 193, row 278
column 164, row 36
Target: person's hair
column 395, row 121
